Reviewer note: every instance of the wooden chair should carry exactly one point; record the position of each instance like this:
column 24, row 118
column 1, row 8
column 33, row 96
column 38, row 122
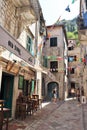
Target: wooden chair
column 6, row 111
column 30, row 107
column 1, row 113
column 35, row 99
column 20, row 109
column 17, row 111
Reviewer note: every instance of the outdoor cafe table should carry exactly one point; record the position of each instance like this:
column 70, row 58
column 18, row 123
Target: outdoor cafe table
column 2, row 112
column 35, row 103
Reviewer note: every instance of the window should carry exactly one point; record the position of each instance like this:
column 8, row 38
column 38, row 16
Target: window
column 29, row 44
column 20, row 82
column 44, row 61
column 72, row 58
column 72, row 85
column 70, row 48
column 54, row 66
column 25, row 87
column 72, row 71
column 53, row 42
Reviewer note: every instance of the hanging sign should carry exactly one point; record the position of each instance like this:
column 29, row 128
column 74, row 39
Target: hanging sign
column 12, row 45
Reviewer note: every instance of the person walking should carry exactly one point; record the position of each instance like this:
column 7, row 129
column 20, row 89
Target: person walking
column 78, row 94
column 54, row 96
column 82, row 91
column 83, row 98
column 73, row 92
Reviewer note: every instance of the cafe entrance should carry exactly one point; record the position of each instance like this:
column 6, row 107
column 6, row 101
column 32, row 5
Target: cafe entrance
column 7, row 89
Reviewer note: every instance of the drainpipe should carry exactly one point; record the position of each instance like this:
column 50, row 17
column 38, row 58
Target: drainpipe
column 0, row 79
column 81, row 72
column 36, row 40
column 36, row 50
column 80, row 7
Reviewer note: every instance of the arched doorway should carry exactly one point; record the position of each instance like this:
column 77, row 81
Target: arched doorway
column 50, row 87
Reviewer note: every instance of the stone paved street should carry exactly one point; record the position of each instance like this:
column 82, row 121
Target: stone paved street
column 66, row 115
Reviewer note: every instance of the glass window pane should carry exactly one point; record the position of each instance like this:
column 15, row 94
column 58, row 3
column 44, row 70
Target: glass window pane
column 53, row 41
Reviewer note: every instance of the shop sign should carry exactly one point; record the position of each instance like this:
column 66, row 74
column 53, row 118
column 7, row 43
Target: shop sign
column 12, row 45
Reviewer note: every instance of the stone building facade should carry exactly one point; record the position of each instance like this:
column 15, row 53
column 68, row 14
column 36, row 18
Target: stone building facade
column 18, row 48
column 82, row 32
column 54, row 55
column 74, row 68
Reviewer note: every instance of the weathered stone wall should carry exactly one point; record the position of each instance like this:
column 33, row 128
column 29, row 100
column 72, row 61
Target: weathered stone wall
column 7, row 16
column 9, row 19
column 10, row 22
column 58, row 52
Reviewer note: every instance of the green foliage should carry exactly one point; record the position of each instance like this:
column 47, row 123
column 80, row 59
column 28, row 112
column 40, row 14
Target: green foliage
column 73, row 35
column 70, row 25
column 71, row 29
column 70, row 35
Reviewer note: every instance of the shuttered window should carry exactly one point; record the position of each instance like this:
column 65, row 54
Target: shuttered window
column 44, row 61
column 53, row 42
column 72, row 71
column 54, row 66
column 29, row 44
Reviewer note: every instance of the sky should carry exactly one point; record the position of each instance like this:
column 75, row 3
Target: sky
column 53, row 9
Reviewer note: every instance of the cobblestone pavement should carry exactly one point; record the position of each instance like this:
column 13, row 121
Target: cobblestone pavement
column 66, row 115
column 84, row 115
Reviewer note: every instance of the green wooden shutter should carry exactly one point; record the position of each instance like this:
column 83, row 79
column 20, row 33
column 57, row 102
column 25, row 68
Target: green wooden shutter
column 32, row 87
column 29, row 44
column 44, row 61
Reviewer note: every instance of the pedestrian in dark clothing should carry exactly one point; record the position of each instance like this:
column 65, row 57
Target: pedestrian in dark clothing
column 54, row 96
column 82, row 91
column 78, row 94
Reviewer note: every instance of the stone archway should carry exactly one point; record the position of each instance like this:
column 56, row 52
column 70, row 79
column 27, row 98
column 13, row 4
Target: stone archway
column 50, row 87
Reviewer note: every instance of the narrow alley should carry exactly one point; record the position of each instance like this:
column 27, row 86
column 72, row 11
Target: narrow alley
column 67, row 115
column 43, row 65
